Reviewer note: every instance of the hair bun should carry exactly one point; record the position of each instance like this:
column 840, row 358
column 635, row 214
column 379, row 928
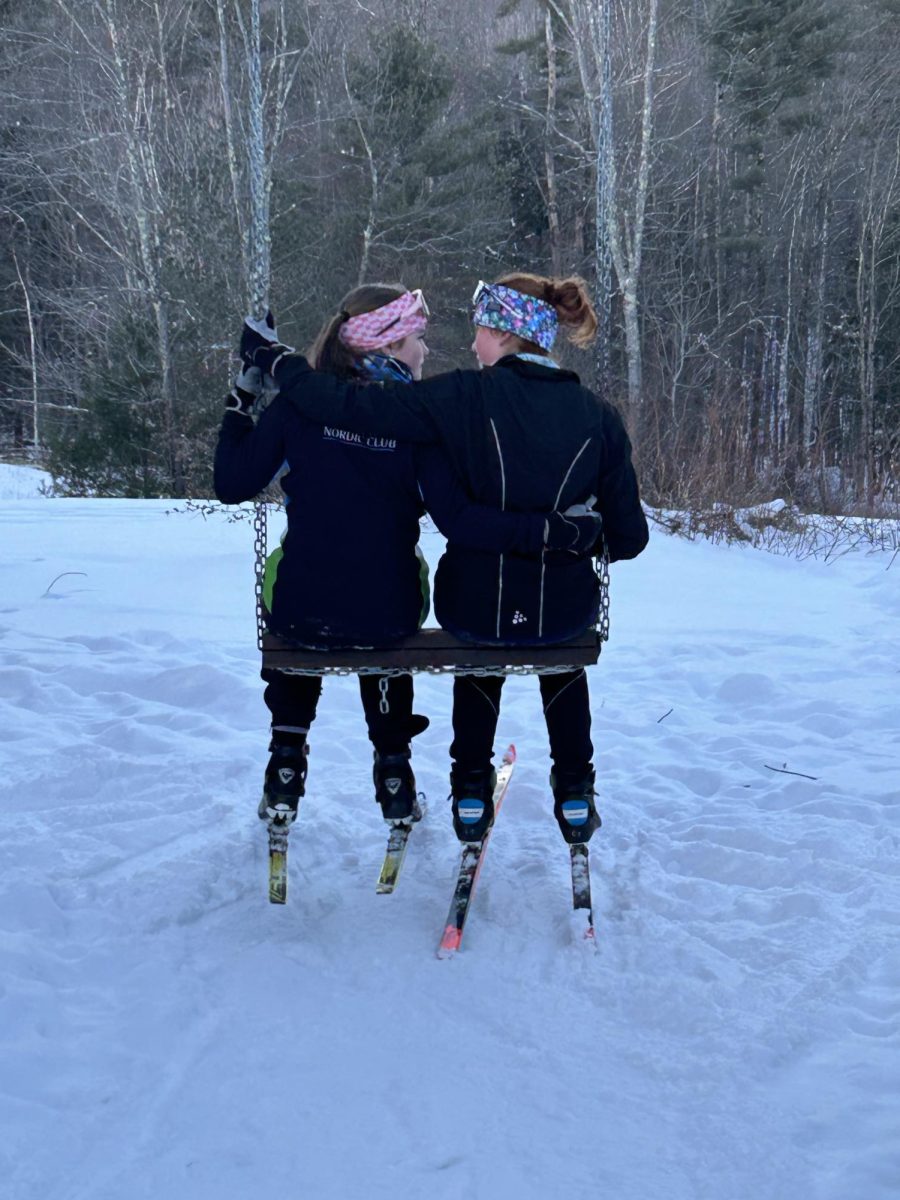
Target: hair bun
column 569, row 297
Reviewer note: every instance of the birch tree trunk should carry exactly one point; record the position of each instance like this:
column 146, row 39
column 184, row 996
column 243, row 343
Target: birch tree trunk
column 368, row 233
column 815, row 345
column 234, row 174
column 633, row 345
column 32, row 357
column 589, row 23
column 549, row 161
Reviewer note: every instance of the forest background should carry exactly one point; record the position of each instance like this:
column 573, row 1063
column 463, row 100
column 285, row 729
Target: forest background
column 725, row 174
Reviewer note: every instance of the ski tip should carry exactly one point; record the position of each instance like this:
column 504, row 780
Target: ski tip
column 580, row 927
column 510, row 754
column 450, row 942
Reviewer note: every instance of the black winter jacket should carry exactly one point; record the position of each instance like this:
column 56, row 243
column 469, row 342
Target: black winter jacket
column 525, row 438
column 349, row 574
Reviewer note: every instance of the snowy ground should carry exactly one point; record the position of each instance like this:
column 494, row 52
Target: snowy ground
column 164, row 1031
column 23, row 483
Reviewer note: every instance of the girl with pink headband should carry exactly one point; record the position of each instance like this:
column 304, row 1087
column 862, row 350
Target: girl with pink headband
column 391, row 324
column 349, row 571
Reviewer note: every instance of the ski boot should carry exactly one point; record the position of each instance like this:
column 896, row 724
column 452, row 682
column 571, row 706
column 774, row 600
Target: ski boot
column 395, row 788
column 472, row 793
column 285, row 781
column 573, row 794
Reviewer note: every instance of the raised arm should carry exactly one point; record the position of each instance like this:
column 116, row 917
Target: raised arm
column 248, row 456
column 410, row 411
column 413, row 412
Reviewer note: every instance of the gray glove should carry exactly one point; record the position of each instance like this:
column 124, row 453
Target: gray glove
column 574, row 533
column 260, row 346
column 247, row 389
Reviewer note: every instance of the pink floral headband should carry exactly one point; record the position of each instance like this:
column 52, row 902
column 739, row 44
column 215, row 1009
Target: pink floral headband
column 406, row 315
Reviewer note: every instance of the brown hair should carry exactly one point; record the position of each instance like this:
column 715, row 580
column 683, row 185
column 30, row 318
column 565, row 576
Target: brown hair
column 328, row 352
column 570, row 299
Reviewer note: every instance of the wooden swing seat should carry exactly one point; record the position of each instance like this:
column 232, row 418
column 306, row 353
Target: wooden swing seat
column 432, row 650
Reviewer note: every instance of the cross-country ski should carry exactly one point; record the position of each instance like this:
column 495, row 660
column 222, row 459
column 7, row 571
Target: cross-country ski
column 470, row 867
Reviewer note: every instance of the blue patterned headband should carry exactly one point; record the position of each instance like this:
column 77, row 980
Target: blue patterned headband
column 499, row 307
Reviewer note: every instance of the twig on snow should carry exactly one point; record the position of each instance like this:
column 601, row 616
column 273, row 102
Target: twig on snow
column 61, row 576
column 784, row 771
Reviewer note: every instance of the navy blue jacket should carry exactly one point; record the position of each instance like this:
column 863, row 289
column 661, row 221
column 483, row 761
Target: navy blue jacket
column 349, row 572
column 523, row 437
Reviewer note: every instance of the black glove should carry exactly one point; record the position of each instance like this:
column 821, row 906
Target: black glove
column 260, row 346
column 576, row 533
column 247, row 389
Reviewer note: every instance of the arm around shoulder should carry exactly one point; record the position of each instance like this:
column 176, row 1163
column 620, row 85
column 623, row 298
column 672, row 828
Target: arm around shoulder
column 409, row 411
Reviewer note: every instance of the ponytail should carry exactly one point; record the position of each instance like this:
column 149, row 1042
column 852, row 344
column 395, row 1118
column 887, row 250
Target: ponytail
column 569, row 297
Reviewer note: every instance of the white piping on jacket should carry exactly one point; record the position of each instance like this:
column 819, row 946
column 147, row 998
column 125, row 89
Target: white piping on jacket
column 502, row 509
column 544, row 552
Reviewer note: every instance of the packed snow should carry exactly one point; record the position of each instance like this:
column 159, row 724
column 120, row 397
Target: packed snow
column 164, row 1031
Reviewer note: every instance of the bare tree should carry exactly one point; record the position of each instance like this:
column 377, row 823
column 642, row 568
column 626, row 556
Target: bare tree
column 623, row 167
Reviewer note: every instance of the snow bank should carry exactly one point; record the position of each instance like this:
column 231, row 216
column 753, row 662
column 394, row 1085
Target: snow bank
column 23, row 483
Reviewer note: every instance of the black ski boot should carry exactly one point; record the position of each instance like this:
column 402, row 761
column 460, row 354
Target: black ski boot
column 285, row 781
column 472, row 793
column 573, row 793
column 395, row 788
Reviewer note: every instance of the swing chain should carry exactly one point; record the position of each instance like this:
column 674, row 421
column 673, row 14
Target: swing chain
column 391, row 672
column 601, row 566
column 260, row 546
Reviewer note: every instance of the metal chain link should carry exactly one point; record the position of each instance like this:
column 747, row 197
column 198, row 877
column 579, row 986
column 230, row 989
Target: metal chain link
column 259, row 241
column 260, row 549
column 430, row 669
column 259, row 262
column 383, row 704
column 602, row 568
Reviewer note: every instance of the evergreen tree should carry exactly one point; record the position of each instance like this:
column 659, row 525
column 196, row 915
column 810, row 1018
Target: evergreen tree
column 767, row 55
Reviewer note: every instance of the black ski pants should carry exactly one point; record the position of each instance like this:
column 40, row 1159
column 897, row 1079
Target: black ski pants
column 293, row 700
column 567, row 711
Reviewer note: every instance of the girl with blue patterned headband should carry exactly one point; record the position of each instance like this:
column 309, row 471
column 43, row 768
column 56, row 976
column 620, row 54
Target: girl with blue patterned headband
column 521, row 314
